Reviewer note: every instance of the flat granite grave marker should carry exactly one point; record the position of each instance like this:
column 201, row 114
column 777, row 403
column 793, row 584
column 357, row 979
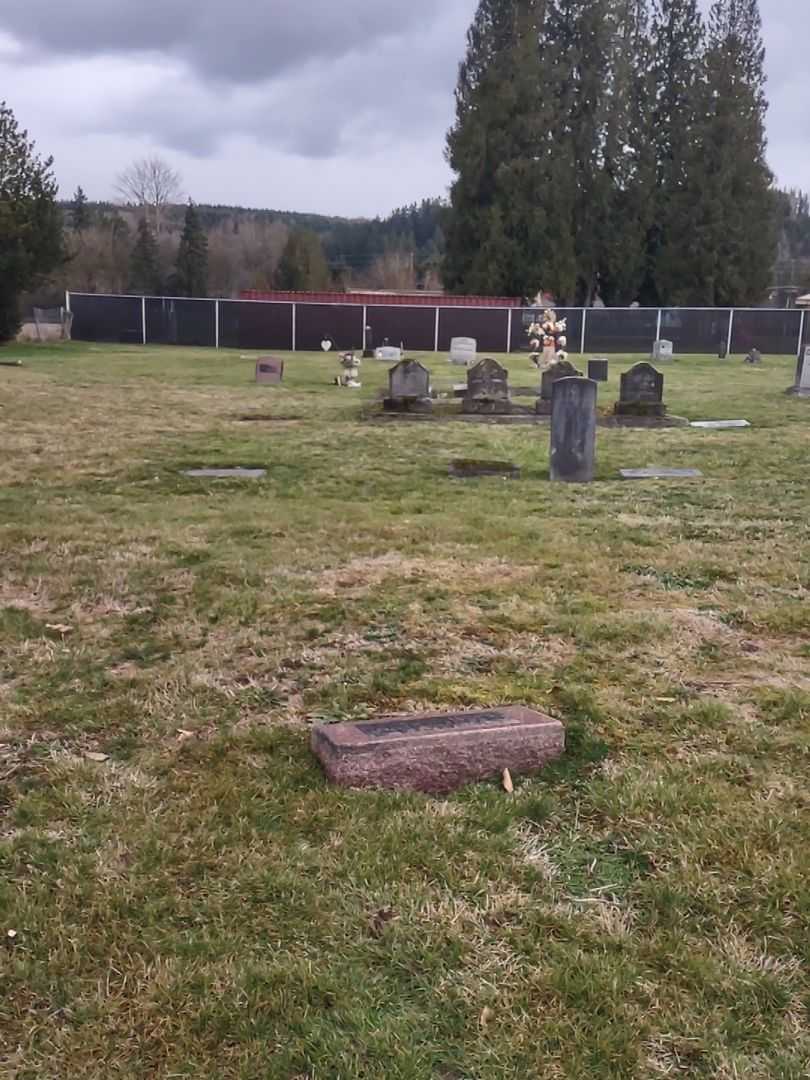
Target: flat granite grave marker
column 463, row 351
column 487, row 389
column 227, row 474
column 660, row 474
column 598, row 370
column 573, row 430
column 464, row 468
column 720, row 425
column 437, row 752
column 269, row 370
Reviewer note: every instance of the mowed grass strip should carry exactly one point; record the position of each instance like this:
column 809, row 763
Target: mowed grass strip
column 188, row 897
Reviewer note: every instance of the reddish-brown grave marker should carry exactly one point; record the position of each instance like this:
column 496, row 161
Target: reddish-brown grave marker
column 437, row 752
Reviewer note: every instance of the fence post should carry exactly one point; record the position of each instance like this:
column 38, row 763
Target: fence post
column 293, row 326
column 582, row 338
column 436, row 331
column 730, row 329
column 365, row 324
column 658, row 327
column 216, row 324
column 67, row 304
column 143, row 319
column 509, row 331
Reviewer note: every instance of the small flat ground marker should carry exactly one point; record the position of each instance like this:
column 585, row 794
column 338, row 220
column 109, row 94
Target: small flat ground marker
column 720, row 425
column 660, row 474
column 463, row 468
column 227, row 474
column 437, row 752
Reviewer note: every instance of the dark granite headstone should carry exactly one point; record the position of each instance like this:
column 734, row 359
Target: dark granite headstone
column 408, row 387
column 437, row 752
column 573, row 430
column 487, row 388
column 562, row 369
column 269, row 370
column 641, row 392
column 598, row 370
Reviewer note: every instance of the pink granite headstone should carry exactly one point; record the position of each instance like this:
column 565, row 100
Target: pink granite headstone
column 269, row 370
column 437, row 752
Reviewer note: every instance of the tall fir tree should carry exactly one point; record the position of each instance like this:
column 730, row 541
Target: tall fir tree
column 735, row 224
column 31, row 239
column 677, row 40
column 507, row 227
column 145, row 278
column 303, row 265
column 191, row 272
column 81, row 217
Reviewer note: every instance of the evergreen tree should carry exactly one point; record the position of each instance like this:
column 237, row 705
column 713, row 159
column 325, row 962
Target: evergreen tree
column 31, row 243
column 144, row 263
column 80, row 216
column 735, row 235
column 303, row 266
column 191, row 275
column 677, row 50
column 507, row 229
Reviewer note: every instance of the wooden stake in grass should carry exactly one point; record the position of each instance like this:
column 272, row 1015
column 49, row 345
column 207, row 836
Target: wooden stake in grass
column 508, row 786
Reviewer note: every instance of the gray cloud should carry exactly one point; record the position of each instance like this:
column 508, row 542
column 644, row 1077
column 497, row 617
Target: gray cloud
column 339, row 107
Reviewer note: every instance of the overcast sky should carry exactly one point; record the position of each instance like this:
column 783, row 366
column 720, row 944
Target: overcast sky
column 332, row 107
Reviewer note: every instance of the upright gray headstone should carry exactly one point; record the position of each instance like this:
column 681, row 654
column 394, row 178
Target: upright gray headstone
column 802, row 385
column 487, row 388
column 573, row 430
column 389, row 353
column 662, row 350
column 269, row 370
column 408, row 388
column 463, row 351
column 641, row 392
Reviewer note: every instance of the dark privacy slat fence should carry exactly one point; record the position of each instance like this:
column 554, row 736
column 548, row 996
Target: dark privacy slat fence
column 255, row 324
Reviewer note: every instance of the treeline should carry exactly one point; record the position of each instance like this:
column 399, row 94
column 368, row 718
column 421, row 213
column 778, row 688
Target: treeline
column 134, row 248
column 612, row 149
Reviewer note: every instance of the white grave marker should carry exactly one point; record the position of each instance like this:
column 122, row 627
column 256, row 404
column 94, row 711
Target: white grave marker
column 463, row 351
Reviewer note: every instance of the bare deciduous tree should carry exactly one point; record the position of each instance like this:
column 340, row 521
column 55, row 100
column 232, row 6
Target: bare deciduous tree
column 150, row 182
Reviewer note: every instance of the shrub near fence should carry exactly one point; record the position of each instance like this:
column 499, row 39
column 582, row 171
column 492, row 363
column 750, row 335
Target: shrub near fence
column 256, row 324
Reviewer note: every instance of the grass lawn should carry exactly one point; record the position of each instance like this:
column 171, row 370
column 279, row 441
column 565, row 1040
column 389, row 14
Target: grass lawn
column 201, row 904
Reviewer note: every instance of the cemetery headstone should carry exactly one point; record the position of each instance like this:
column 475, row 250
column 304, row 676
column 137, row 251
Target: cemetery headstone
column 641, row 392
column 598, row 370
column 487, row 389
column 754, row 357
column 464, row 468
column 573, row 430
column 437, row 752
column 269, row 370
column 408, row 388
column 660, row 474
column 662, row 350
column 327, row 342
column 801, row 388
column 463, row 351
column 368, row 351
column 720, row 425
column 722, row 349
column 226, row 474
column 563, row 369
column 389, row 353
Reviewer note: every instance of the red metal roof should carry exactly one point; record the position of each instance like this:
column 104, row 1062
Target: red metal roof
column 380, row 299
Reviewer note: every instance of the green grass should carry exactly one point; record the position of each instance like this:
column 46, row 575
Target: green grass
column 202, row 904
